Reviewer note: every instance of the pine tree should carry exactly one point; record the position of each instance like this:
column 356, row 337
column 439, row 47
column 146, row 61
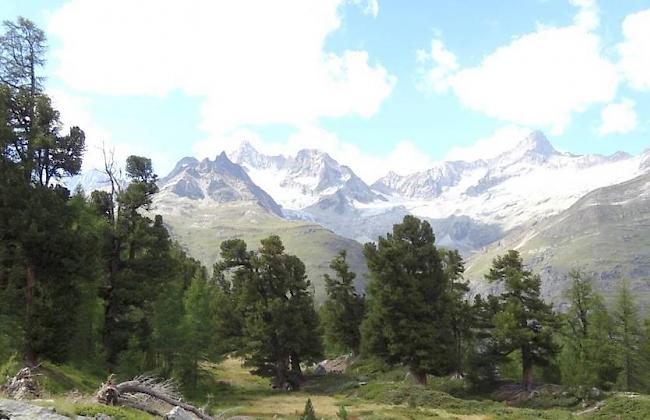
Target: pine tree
column 484, row 353
column 587, row 348
column 139, row 258
column 47, row 259
column 628, row 337
column 271, row 293
column 308, row 412
column 344, row 308
column 407, row 318
column 460, row 310
column 525, row 322
column 199, row 327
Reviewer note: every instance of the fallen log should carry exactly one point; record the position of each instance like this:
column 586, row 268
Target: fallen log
column 139, row 392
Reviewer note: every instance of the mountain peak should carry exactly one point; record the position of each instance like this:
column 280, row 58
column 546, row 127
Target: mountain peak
column 536, row 142
column 222, row 157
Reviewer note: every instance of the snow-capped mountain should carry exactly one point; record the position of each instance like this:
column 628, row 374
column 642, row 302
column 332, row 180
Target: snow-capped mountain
column 88, row 181
column 218, row 180
column 470, row 204
column 303, row 180
column 529, row 182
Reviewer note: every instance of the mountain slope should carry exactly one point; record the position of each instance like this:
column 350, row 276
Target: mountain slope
column 205, row 203
column 606, row 233
column 220, row 180
column 470, row 203
column 529, row 182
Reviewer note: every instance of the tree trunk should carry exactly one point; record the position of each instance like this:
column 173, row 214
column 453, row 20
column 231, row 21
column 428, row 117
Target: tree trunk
column 527, row 369
column 296, row 372
column 420, row 377
column 30, row 286
column 281, row 373
column 136, row 387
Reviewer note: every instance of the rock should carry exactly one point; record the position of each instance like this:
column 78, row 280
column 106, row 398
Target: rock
column 320, row 370
column 16, row 410
column 595, row 393
column 23, row 386
column 177, row 413
column 337, row 365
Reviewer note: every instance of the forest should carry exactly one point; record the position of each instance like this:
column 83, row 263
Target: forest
column 93, row 281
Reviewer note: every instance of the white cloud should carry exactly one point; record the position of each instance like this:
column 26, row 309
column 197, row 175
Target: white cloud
column 74, row 111
column 370, row 7
column 635, row 50
column 618, row 118
column 404, row 158
column 253, row 61
column 588, row 16
column 445, row 64
column 539, row 79
column 502, row 140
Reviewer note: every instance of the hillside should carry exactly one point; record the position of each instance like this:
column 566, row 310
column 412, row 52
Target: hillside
column 201, row 229
column 606, row 234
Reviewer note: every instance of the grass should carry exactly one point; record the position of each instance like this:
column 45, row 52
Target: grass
column 67, row 407
column 369, row 390
column 388, row 394
column 59, row 379
column 621, row 407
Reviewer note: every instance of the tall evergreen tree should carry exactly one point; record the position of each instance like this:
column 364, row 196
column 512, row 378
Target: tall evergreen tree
column 344, row 308
column 484, row 353
column 407, row 318
column 34, row 153
column 587, row 349
column 139, row 256
column 461, row 313
column 271, row 293
column 199, row 325
column 525, row 322
column 627, row 335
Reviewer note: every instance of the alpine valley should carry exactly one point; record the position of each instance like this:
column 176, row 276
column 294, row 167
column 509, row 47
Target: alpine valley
column 533, row 198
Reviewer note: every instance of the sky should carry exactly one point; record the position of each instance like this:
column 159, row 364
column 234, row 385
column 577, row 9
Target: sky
column 379, row 84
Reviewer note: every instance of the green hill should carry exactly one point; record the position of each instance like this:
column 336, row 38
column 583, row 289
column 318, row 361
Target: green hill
column 606, row 234
column 200, row 229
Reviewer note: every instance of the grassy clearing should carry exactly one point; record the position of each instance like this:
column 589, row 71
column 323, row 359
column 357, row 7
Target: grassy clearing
column 369, row 390
column 368, row 393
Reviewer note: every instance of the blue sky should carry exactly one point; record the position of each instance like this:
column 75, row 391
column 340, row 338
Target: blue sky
column 382, row 85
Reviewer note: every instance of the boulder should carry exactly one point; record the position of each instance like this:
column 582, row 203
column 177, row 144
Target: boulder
column 177, row 413
column 17, row 410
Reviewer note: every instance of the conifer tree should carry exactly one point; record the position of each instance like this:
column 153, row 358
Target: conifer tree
column 308, row 413
column 199, row 328
column 407, row 315
column 461, row 315
column 525, row 322
column 627, row 335
column 344, row 308
column 48, row 258
column 271, row 292
column 587, row 349
column 484, row 353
